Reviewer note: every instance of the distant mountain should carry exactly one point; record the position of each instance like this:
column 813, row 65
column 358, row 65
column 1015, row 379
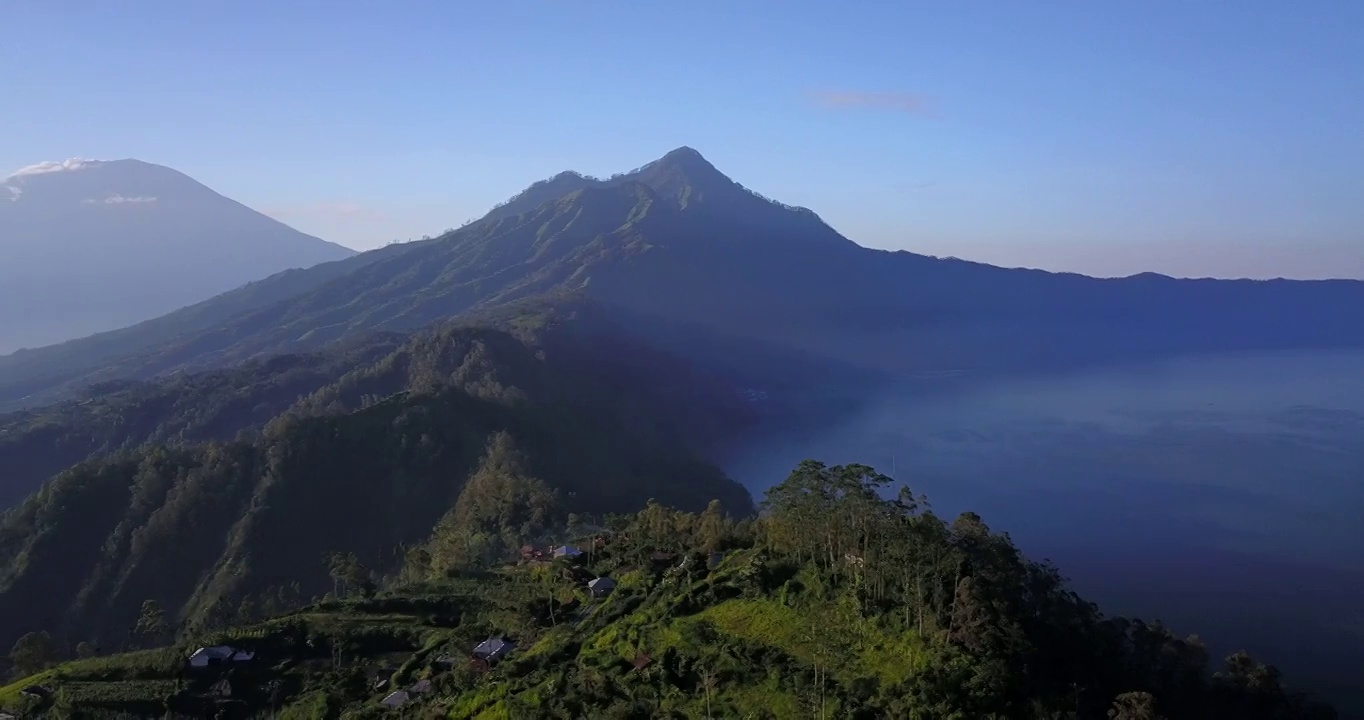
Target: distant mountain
column 677, row 243
column 90, row 246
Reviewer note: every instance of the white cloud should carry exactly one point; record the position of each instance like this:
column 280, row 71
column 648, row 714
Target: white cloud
column 43, row 168
column 120, row 200
column 908, row 103
column 14, row 193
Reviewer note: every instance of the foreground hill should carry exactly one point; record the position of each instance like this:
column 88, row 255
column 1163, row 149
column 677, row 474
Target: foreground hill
column 678, row 242
column 89, row 246
column 835, row 603
column 365, row 462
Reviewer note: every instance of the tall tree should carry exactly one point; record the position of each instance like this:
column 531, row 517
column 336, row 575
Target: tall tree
column 33, row 652
column 151, row 622
column 713, row 528
column 1134, row 706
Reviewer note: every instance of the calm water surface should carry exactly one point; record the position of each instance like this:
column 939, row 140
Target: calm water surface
column 1224, row 496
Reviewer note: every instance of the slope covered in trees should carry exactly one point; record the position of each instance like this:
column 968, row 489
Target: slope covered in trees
column 118, row 416
column 835, row 602
column 611, row 364
column 365, row 464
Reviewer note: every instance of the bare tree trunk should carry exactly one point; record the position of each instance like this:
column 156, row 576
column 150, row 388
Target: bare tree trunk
column 952, row 620
column 823, row 677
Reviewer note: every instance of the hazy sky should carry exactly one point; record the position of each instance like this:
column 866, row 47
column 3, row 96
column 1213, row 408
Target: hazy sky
column 1192, row 138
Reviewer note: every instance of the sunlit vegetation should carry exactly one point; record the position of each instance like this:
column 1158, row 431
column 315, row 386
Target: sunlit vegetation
column 838, row 600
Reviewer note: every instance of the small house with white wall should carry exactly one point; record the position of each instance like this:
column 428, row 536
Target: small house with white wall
column 493, row 649
column 395, row 699
column 217, row 655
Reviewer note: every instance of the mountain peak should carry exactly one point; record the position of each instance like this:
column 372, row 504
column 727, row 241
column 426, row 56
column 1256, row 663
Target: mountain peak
column 144, row 238
column 685, row 153
column 687, row 159
column 685, row 175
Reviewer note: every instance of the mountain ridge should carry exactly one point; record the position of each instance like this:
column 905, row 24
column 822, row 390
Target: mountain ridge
column 608, row 340
column 678, row 240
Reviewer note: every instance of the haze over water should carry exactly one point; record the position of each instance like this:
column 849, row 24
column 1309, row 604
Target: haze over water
column 1217, row 494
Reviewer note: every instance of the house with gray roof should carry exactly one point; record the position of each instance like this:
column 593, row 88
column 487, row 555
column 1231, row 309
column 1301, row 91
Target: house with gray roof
column 601, row 587
column 493, row 649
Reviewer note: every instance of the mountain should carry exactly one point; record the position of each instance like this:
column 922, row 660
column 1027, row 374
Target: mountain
column 90, row 246
column 677, row 243
column 837, row 603
column 589, row 346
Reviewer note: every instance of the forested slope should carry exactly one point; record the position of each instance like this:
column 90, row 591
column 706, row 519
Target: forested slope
column 365, row 464
column 835, row 602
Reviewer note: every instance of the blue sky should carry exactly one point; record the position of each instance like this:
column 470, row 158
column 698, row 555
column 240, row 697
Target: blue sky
column 1193, row 138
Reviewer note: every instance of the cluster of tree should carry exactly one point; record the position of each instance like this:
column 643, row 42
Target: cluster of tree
column 1002, row 636
column 586, row 363
column 996, row 635
column 836, row 600
column 368, row 465
column 1011, row 638
column 203, row 407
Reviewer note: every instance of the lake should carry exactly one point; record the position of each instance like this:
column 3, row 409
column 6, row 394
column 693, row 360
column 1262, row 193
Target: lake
column 1221, row 495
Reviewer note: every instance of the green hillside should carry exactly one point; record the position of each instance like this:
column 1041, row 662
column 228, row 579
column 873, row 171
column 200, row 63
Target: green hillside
column 366, row 464
column 835, row 602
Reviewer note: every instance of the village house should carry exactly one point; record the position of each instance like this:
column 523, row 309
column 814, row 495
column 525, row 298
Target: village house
column 395, row 699
column 601, row 587
column 493, row 649
column 420, row 687
column 567, row 551
column 218, row 654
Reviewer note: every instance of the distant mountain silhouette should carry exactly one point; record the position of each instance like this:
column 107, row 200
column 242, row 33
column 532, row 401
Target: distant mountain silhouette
column 676, row 243
column 89, row 246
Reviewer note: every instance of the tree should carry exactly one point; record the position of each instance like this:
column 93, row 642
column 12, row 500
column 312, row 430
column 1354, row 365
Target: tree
column 347, row 573
column 151, row 622
column 85, row 650
column 713, row 528
column 33, row 652
column 708, row 682
column 1134, row 706
column 246, row 611
column 416, row 564
column 550, row 585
